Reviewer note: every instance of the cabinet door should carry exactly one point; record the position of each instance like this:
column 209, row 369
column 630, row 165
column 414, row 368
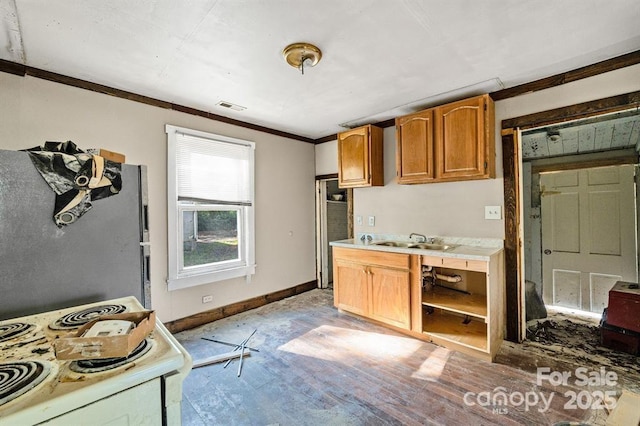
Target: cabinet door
column 390, row 296
column 461, row 139
column 350, row 289
column 360, row 157
column 353, row 158
column 414, row 148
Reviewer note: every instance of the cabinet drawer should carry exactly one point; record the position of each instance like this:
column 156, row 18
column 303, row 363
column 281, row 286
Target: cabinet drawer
column 432, row 260
column 371, row 257
column 469, row 265
column 456, row 263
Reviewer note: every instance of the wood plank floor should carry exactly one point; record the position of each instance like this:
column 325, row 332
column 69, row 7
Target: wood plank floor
column 317, row 366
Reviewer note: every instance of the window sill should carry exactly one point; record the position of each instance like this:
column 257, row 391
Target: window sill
column 209, row 277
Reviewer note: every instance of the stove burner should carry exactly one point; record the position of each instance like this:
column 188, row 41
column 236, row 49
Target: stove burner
column 78, row 318
column 17, row 378
column 98, row 365
column 14, row 329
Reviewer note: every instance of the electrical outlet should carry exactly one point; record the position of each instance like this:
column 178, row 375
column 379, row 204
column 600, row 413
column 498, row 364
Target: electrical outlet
column 493, row 212
column 207, row 299
column 372, row 221
column 359, row 220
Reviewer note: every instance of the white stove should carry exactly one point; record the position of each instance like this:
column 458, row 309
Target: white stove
column 144, row 390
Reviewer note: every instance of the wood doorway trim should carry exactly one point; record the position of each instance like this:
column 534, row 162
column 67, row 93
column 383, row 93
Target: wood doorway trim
column 513, row 237
column 349, row 202
column 511, row 161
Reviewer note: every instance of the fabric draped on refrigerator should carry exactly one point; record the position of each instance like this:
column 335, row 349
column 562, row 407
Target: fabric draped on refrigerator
column 77, row 178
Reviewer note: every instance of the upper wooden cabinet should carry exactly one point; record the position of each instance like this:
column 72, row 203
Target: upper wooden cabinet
column 466, row 142
column 360, row 157
column 415, row 156
column 451, row 142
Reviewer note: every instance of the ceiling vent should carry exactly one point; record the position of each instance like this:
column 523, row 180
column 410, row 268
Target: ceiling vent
column 229, row 105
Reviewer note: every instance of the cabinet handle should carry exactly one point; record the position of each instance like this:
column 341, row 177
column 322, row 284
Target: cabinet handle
column 364, row 270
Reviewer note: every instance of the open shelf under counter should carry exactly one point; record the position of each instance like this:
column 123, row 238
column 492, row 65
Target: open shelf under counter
column 452, row 327
column 456, row 301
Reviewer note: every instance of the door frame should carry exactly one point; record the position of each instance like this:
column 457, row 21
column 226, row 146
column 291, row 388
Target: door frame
column 322, row 254
column 512, row 162
column 321, row 233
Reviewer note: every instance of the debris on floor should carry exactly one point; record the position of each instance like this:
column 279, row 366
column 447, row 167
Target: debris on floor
column 227, row 356
column 240, row 350
column 579, row 342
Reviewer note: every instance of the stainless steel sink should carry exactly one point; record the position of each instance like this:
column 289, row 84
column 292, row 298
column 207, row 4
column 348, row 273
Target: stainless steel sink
column 423, row 246
column 393, row 244
column 427, row 246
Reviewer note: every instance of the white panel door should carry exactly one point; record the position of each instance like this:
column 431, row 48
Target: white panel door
column 588, row 235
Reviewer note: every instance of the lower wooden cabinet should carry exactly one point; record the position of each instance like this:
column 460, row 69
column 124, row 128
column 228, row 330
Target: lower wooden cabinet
column 463, row 311
column 350, row 287
column 373, row 284
column 389, row 300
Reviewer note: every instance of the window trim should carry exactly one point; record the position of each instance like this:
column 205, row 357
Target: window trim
column 178, row 279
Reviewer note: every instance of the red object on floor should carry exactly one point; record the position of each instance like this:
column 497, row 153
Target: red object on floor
column 618, row 338
column 624, row 306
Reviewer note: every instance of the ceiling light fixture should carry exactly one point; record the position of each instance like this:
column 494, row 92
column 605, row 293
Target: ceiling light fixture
column 299, row 55
column 553, row 135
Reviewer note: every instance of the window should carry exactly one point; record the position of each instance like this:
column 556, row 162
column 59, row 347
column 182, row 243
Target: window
column 210, row 207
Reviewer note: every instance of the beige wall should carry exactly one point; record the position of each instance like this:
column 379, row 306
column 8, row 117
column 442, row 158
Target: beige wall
column 33, row 111
column 457, row 208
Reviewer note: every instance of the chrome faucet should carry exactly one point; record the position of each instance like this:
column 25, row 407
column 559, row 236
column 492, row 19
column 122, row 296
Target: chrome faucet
column 424, row 239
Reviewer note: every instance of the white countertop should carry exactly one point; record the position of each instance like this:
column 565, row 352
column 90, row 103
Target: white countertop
column 462, row 248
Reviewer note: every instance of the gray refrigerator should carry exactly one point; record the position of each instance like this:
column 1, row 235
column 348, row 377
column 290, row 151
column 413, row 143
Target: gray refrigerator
column 103, row 255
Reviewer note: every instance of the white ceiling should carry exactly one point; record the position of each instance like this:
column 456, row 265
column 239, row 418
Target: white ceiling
column 381, row 58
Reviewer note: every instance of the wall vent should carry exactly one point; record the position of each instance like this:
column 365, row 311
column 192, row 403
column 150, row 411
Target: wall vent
column 229, row 105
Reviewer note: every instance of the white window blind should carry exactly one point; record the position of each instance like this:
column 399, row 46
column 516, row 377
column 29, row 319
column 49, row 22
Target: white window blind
column 210, row 208
column 212, row 171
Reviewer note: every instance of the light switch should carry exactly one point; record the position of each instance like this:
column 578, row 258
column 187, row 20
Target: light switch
column 372, row 220
column 359, row 220
column 493, row 212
